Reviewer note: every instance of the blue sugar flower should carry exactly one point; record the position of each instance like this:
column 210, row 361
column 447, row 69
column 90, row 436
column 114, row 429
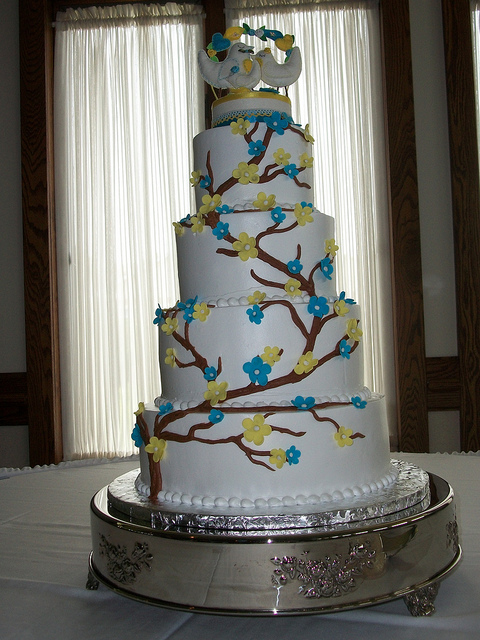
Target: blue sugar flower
column 286, row 117
column 224, row 209
column 257, row 370
column 276, row 123
column 307, row 204
column 210, row 373
column 206, row 182
column 136, row 437
column 291, row 170
column 293, row 455
column 188, row 315
column 256, row 148
column 216, row 416
column 318, row 306
column 278, row 215
column 189, row 304
column 326, row 268
column 255, row 314
column 294, row 266
column 165, row 408
column 347, row 300
column 358, row 403
column 345, row 349
column 159, row 319
column 220, row 230
column 303, row 403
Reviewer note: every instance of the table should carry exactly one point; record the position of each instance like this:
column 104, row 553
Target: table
column 45, row 543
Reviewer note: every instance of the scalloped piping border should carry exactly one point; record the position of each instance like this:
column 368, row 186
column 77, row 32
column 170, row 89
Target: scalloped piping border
column 365, row 394
column 260, row 503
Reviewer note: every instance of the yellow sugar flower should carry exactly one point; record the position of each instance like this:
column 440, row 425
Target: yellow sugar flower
column 157, row 448
column 303, row 214
column 169, row 326
column 179, row 229
column 353, row 331
column 340, row 307
column 306, row 363
column 170, row 359
column 201, row 311
column 256, row 430
column 270, row 355
column 256, row 297
column 264, row 202
column 141, row 409
column 210, row 203
column 198, row 225
column 245, row 246
column 342, row 436
column 195, row 179
column 216, row 392
column 331, row 247
column 307, row 135
column 281, row 157
column 278, row 457
column 240, row 126
column 306, row 160
column 293, row 287
column 246, row 173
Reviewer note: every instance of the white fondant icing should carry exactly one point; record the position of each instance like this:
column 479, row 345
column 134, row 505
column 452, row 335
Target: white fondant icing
column 210, row 275
column 218, row 152
column 243, row 483
column 228, row 334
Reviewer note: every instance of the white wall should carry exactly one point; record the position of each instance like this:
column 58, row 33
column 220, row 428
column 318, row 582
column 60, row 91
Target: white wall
column 435, row 202
column 13, row 440
column 434, row 194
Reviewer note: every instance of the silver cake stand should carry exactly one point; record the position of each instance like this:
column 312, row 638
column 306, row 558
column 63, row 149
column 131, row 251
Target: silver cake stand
column 299, row 560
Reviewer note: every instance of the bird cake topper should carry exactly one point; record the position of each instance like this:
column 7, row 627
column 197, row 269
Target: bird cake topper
column 242, row 67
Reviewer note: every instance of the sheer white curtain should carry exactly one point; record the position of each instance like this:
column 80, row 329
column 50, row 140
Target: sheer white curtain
column 128, row 101
column 339, row 94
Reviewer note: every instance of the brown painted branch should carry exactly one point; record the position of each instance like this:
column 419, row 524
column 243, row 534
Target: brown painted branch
column 293, row 314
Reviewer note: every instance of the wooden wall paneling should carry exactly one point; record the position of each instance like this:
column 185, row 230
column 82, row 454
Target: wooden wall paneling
column 443, row 383
column 466, row 209
column 43, row 375
column 407, row 287
column 13, row 399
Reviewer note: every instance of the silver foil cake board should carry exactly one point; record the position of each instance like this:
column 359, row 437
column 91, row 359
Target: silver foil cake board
column 302, row 570
column 409, row 492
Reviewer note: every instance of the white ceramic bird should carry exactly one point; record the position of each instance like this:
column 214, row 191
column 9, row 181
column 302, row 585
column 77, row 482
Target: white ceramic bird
column 237, row 70
column 277, row 74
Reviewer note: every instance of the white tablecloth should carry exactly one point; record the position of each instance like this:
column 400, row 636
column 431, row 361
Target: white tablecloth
column 45, row 543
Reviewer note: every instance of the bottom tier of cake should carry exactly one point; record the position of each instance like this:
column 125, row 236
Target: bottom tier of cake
column 268, row 458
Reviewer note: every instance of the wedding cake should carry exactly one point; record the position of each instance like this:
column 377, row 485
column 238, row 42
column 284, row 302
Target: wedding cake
column 263, row 401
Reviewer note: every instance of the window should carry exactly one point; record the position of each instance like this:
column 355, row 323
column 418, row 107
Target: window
column 127, row 105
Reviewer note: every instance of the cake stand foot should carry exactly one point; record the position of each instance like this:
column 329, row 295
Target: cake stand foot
column 92, row 582
column 421, row 602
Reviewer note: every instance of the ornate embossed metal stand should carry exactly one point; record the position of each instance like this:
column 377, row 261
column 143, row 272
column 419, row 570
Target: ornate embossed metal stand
column 283, row 563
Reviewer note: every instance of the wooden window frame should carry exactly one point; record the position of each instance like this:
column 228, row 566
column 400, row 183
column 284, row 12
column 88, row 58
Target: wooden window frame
column 41, row 307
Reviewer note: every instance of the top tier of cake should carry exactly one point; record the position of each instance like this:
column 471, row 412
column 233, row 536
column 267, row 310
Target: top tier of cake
column 254, row 147
column 248, row 104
